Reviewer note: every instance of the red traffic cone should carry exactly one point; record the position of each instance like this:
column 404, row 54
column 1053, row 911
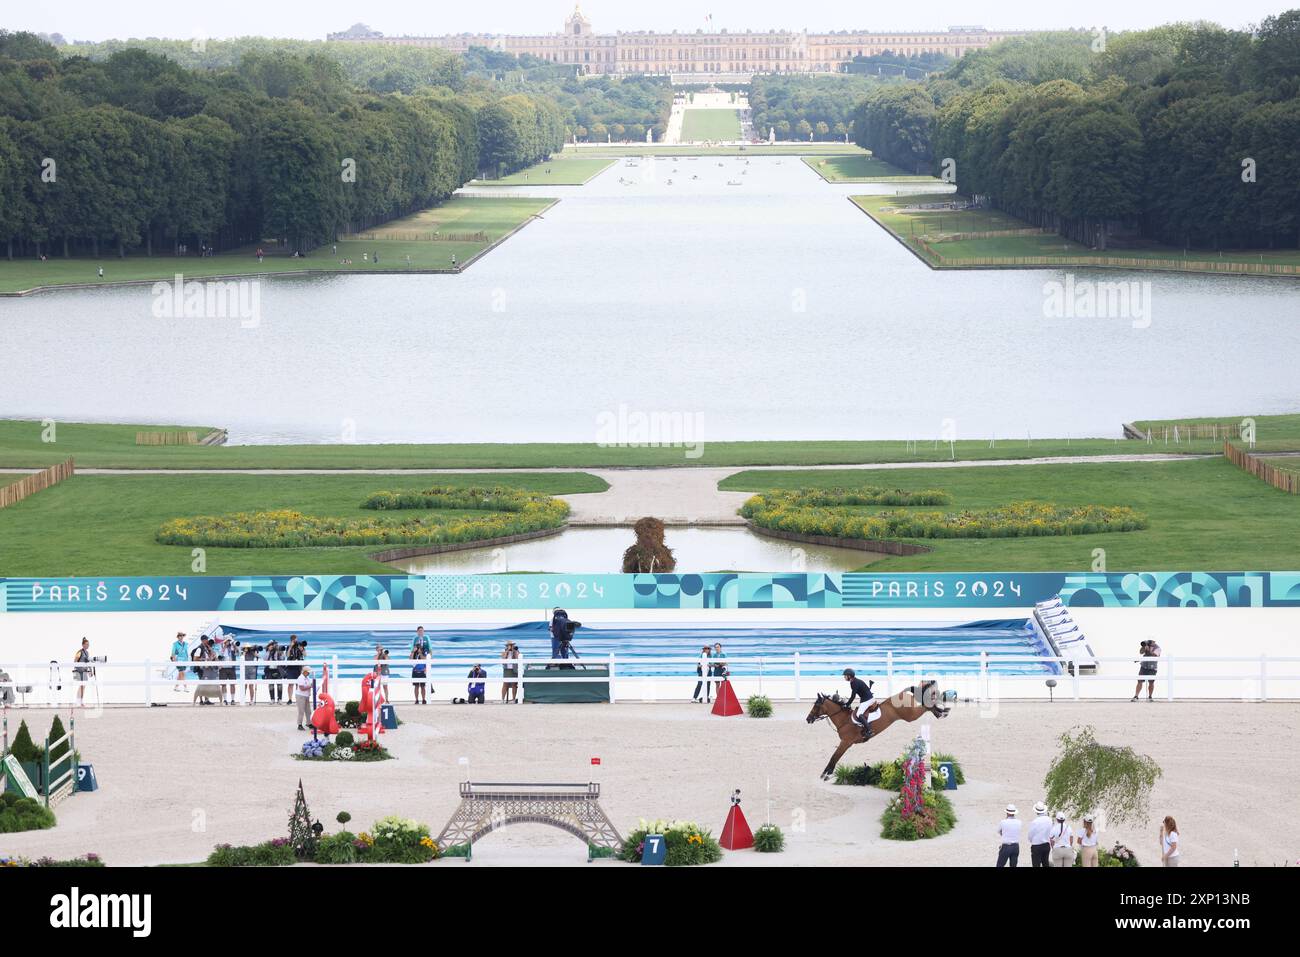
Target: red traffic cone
column 736, row 835
column 726, row 703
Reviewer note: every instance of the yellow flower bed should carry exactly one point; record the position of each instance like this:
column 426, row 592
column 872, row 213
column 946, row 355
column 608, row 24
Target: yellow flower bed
column 285, row 528
column 791, row 512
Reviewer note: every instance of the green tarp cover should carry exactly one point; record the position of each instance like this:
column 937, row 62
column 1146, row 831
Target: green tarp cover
column 555, row 692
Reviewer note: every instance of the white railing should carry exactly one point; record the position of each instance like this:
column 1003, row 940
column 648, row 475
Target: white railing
column 791, row 677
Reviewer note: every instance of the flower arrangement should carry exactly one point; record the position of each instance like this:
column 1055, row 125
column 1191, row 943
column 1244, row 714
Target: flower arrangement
column 791, row 512
column 318, row 749
column 686, row 842
column 919, row 811
column 287, row 528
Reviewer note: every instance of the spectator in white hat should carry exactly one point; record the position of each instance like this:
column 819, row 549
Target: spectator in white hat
column 1086, row 840
column 1062, row 840
column 1040, row 836
column 1009, row 833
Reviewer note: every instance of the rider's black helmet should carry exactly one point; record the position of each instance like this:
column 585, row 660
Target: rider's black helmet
column 850, row 673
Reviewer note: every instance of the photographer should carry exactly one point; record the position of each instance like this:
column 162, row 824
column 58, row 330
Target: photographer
column 562, row 629
column 82, row 674
column 251, row 653
column 271, row 672
column 477, row 686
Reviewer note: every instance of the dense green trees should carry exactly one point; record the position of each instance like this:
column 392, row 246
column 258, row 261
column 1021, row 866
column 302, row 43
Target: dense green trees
column 135, row 151
column 1186, row 134
column 781, row 101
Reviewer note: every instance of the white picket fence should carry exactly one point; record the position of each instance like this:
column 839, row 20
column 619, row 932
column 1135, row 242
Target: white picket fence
column 794, row 677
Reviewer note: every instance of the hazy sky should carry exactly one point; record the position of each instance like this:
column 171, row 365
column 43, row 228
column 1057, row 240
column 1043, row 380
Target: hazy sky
column 100, row 20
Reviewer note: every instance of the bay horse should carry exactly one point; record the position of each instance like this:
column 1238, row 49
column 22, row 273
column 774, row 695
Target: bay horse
column 903, row 706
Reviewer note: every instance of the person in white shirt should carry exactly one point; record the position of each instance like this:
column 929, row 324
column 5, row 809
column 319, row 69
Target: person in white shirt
column 1061, row 839
column 1040, row 837
column 1170, row 852
column 1086, row 840
column 1009, row 833
column 302, row 695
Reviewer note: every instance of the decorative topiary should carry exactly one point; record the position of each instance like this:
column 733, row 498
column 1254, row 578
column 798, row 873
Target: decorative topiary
column 302, row 836
column 759, row 706
column 649, row 554
column 343, row 817
column 344, row 739
column 23, row 748
column 57, row 732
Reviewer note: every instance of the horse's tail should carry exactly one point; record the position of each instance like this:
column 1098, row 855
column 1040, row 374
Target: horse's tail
column 929, row 697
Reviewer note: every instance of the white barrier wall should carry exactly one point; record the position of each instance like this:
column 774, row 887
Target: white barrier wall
column 1187, row 636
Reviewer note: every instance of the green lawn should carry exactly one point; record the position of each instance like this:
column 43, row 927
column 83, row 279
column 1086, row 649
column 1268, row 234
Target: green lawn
column 941, row 251
column 460, row 217
column 1273, row 433
column 713, row 125
column 1204, row 514
column 861, row 168
column 113, row 446
column 562, row 170
column 105, row 525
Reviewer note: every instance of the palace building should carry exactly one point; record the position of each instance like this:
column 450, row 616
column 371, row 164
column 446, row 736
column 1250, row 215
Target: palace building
column 721, row 53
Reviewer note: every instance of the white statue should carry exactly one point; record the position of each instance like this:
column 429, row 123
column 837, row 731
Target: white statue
column 649, row 136
column 771, row 135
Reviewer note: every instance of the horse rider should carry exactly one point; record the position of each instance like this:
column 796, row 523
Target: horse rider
column 860, row 690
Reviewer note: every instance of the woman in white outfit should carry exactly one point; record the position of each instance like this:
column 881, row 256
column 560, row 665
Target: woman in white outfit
column 1086, row 840
column 1170, row 852
column 1062, row 839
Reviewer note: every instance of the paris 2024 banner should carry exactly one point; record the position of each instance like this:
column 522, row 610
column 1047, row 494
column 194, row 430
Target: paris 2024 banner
column 297, row 593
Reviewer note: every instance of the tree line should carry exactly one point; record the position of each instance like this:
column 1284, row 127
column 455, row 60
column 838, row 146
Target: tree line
column 135, row 151
column 807, row 107
column 1187, row 134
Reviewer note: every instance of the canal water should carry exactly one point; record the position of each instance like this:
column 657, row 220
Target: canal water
column 773, row 309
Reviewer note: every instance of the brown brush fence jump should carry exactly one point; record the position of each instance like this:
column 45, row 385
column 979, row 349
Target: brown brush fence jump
column 1276, row 477
column 12, row 494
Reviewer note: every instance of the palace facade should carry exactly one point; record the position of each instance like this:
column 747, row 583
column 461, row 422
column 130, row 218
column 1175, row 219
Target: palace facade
column 777, row 51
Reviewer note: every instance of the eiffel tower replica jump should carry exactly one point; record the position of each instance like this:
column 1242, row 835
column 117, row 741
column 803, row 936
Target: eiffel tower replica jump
column 575, row 808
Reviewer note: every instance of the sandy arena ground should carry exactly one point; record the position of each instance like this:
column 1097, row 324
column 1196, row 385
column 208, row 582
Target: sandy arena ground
column 174, row 782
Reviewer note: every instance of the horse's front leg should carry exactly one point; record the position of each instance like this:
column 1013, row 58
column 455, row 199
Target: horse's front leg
column 835, row 759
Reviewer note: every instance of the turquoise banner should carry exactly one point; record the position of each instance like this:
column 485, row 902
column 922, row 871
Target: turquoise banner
column 294, row 593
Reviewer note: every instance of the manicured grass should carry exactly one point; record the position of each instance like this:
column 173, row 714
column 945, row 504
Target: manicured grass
column 113, row 446
column 861, row 168
column 460, row 216
column 562, row 170
column 713, row 125
column 1204, row 514
column 105, row 524
column 927, row 234
column 1273, row 433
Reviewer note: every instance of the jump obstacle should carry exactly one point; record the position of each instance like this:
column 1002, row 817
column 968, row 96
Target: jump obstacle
column 575, row 808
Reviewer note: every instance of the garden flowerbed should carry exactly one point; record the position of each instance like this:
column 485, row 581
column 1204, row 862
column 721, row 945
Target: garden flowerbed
column 506, row 512
column 789, row 512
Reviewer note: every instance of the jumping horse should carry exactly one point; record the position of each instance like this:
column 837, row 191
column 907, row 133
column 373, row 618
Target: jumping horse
column 907, row 705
